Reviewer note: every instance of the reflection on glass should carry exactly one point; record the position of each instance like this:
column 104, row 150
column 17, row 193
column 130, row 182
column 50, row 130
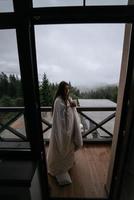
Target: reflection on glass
column 12, row 125
column 54, row 3
column 6, row 6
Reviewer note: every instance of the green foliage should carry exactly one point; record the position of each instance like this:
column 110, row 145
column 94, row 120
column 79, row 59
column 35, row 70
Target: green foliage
column 19, row 101
column 6, row 101
column 10, row 90
column 107, row 92
column 45, row 92
column 48, row 90
column 3, row 84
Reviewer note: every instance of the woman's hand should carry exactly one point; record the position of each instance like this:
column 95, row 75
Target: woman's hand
column 72, row 104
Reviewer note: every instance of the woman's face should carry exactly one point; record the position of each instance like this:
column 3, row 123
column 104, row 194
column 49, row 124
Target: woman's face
column 66, row 90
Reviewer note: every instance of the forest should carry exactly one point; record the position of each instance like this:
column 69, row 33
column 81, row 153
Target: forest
column 11, row 91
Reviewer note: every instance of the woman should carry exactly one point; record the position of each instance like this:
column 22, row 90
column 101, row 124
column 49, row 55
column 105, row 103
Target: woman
column 65, row 136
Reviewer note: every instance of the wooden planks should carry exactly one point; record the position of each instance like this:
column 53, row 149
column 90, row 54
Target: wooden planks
column 88, row 173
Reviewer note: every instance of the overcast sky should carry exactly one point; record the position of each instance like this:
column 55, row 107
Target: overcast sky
column 85, row 54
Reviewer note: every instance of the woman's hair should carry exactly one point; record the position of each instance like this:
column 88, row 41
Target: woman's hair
column 61, row 92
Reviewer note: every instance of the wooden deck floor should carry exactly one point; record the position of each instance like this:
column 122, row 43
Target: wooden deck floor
column 88, row 173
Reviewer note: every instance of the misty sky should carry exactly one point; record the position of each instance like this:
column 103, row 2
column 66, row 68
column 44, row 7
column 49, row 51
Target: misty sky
column 85, row 54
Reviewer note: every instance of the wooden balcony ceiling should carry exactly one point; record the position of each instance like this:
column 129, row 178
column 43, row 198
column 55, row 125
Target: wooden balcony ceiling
column 88, row 174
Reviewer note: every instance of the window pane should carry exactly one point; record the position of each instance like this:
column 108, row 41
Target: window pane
column 65, row 50
column 62, row 49
column 88, row 57
column 106, row 2
column 54, row 3
column 12, row 125
column 50, row 3
column 6, row 6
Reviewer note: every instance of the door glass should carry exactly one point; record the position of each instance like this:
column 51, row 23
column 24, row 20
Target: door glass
column 88, row 57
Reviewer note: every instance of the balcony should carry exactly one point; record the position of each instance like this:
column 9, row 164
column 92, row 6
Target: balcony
column 88, row 174
column 91, row 162
column 94, row 122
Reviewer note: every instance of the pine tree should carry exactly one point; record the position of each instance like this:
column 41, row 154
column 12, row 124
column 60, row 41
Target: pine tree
column 3, row 84
column 12, row 90
column 46, row 97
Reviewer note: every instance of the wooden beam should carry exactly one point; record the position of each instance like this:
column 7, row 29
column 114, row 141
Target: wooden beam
column 83, row 14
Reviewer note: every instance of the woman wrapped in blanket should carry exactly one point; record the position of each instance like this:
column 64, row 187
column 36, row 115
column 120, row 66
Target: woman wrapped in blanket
column 66, row 135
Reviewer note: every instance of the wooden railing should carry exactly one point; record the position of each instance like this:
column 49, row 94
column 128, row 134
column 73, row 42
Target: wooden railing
column 16, row 113
column 84, row 113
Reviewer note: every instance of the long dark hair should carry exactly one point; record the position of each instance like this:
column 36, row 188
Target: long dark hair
column 61, row 92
